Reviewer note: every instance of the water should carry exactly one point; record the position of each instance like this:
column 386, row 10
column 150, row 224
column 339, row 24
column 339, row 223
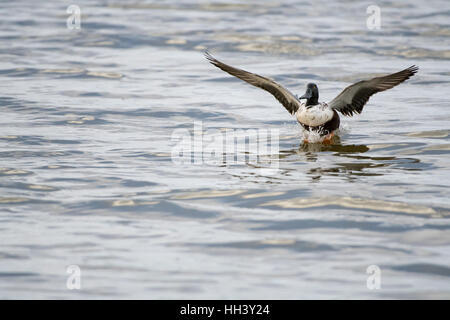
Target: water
column 87, row 176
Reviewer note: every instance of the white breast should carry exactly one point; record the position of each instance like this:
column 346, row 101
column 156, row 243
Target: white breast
column 315, row 115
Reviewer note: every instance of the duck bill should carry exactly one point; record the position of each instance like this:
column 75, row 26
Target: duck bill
column 307, row 95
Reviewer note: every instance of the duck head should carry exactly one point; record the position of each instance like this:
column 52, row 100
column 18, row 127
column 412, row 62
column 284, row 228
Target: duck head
column 311, row 95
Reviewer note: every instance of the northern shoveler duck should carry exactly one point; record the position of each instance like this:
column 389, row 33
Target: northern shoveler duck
column 318, row 116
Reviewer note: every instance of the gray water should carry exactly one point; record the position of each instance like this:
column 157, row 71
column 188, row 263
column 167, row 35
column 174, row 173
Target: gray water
column 87, row 176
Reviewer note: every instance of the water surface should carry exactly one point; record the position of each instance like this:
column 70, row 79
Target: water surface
column 87, row 177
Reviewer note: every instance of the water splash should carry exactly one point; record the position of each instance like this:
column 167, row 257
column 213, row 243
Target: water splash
column 314, row 137
column 311, row 136
column 289, row 130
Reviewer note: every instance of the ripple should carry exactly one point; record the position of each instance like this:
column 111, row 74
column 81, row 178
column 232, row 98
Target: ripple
column 63, row 73
column 188, row 6
column 36, row 154
column 408, row 52
column 262, row 195
column 121, row 203
column 353, row 203
column 15, row 274
column 430, row 134
column 106, row 75
column 13, row 200
column 208, row 194
column 38, row 140
column 176, row 41
column 26, row 186
column 424, row 268
column 437, row 149
column 12, row 171
column 278, row 48
column 289, row 244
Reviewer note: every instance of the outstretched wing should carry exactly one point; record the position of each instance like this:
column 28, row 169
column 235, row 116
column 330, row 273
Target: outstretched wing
column 284, row 96
column 354, row 97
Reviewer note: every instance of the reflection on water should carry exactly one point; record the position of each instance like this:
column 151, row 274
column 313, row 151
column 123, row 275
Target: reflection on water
column 361, row 165
column 87, row 177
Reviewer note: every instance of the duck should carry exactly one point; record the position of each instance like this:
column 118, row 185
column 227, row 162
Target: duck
column 314, row 116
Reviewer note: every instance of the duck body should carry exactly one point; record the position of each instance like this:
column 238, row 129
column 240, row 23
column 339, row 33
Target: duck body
column 315, row 116
column 319, row 118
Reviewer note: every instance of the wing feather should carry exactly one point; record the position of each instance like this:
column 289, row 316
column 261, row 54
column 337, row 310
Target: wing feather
column 353, row 98
column 284, row 96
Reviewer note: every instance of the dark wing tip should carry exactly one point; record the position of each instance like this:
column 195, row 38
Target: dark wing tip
column 413, row 70
column 409, row 72
column 210, row 58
